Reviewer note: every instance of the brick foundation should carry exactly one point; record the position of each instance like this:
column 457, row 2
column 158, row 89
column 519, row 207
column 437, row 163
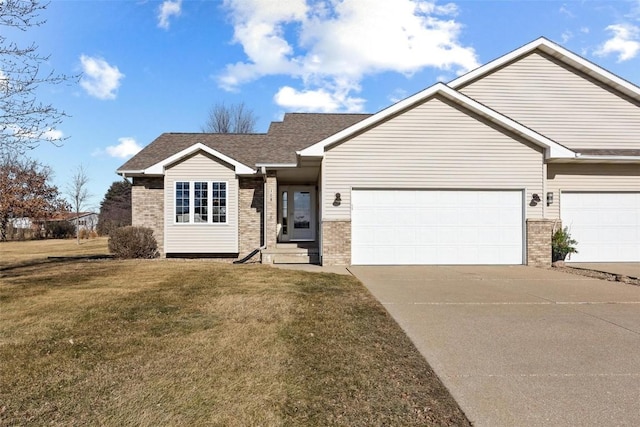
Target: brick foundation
column 147, row 202
column 336, row 243
column 539, row 233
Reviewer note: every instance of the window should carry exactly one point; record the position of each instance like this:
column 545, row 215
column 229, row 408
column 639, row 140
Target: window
column 201, row 202
column 200, row 199
column 219, row 202
column 182, row 202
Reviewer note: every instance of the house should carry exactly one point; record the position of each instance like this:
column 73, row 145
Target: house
column 25, row 226
column 87, row 221
column 476, row 171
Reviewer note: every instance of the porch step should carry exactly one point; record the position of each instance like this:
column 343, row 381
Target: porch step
column 293, row 253
column 296, row 259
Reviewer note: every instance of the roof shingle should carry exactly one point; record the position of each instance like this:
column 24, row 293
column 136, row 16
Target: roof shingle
column 279, row 145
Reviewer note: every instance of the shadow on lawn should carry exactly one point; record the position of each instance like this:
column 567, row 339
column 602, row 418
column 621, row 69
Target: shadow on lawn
column 49, row 260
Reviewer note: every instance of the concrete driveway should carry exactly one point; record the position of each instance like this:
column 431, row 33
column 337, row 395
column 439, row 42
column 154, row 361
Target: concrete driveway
column 520, row 346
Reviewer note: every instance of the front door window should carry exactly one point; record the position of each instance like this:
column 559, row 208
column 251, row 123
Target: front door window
column 297, row 213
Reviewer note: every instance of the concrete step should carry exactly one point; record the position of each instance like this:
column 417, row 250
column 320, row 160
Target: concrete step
column 296, row 259
column 292, row 253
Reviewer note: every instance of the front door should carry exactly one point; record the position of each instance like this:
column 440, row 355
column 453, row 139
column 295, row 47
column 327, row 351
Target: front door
column 296, row 214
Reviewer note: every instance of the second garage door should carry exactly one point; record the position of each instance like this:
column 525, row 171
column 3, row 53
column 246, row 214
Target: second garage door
column 606, row 225
column 393, row 227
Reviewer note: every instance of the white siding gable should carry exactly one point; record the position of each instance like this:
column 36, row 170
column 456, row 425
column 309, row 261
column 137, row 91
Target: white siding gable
column 560, row 103
column 201, row 238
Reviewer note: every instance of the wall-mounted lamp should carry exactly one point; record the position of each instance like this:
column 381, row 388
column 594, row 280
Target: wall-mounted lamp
column 535, row 199
column 337, row 200
column 549, row 198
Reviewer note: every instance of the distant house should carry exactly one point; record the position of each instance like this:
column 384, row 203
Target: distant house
column 475, row 171
column 84, row 221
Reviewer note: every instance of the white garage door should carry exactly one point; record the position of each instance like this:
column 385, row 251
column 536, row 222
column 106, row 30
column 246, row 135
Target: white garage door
column 606, row 225
column 436, row 227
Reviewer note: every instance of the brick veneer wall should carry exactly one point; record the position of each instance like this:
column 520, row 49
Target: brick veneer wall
column 147, row 206
column 539, row 232
column 250, row 215
column 272, row 210
column 336, row 242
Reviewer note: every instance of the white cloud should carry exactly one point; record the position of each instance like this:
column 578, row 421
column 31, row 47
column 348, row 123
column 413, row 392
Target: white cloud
column 99, row 79
column 398, row 95
column 53, row 135
column 127, row 147
column 625, row 42
column 564, row 10
column 332, row 45
column 4, row 82
column 319, row 100
column 167, row 9
column 566, row 36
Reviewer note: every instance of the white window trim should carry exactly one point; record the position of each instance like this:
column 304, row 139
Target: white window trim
column 192, row 201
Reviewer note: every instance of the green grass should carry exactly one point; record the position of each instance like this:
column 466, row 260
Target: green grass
column 171, row 342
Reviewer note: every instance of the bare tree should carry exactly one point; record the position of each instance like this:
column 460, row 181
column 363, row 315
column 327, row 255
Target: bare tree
column 24, row 122
column 79, row 193
column 235, row 118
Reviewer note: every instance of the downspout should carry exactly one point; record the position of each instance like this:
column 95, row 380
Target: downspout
column 263, row 171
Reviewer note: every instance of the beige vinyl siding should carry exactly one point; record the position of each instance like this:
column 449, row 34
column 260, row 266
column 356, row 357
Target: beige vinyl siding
column 589, row 177
column 560, row 104
column 201, row 238
column 432, row 146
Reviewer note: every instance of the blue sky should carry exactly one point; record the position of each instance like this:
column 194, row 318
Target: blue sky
column 150, row 67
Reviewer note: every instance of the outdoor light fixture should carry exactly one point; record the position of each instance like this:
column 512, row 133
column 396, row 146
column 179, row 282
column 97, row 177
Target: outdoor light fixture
column 535, row 197
column 337, row 200
column 549, row 198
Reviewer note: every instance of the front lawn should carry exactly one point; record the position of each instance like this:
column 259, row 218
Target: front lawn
column 170, row 342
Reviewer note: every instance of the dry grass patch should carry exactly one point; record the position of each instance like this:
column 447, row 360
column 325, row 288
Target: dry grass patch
column 200, row 343
column 12, row 253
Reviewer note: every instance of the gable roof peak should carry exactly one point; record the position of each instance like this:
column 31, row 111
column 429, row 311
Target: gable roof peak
column 561, row 54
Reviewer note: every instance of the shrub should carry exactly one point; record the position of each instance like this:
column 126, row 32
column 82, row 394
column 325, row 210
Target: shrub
column 562, row 244
column 133, row 242
column 59, row 230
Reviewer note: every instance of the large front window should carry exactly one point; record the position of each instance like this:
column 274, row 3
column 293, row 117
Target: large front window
column 201, row 202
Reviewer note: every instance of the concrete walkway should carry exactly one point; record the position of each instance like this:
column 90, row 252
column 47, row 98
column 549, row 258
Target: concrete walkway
column 313, row 268
column 519, row 346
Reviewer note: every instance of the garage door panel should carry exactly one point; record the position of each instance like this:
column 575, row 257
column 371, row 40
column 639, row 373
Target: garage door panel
column 606, row 225
column 437, row 227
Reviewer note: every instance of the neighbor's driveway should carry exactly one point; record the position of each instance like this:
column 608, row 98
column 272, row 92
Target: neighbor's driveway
column 519, row 345
column 630, row 269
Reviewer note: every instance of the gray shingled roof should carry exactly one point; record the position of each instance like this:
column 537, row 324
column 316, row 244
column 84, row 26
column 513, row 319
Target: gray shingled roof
column 279, row 145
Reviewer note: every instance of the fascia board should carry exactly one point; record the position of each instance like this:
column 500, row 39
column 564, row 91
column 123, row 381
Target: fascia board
column 606, row 159
column 130, row 172
column 158, row 168
column 277, row 165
